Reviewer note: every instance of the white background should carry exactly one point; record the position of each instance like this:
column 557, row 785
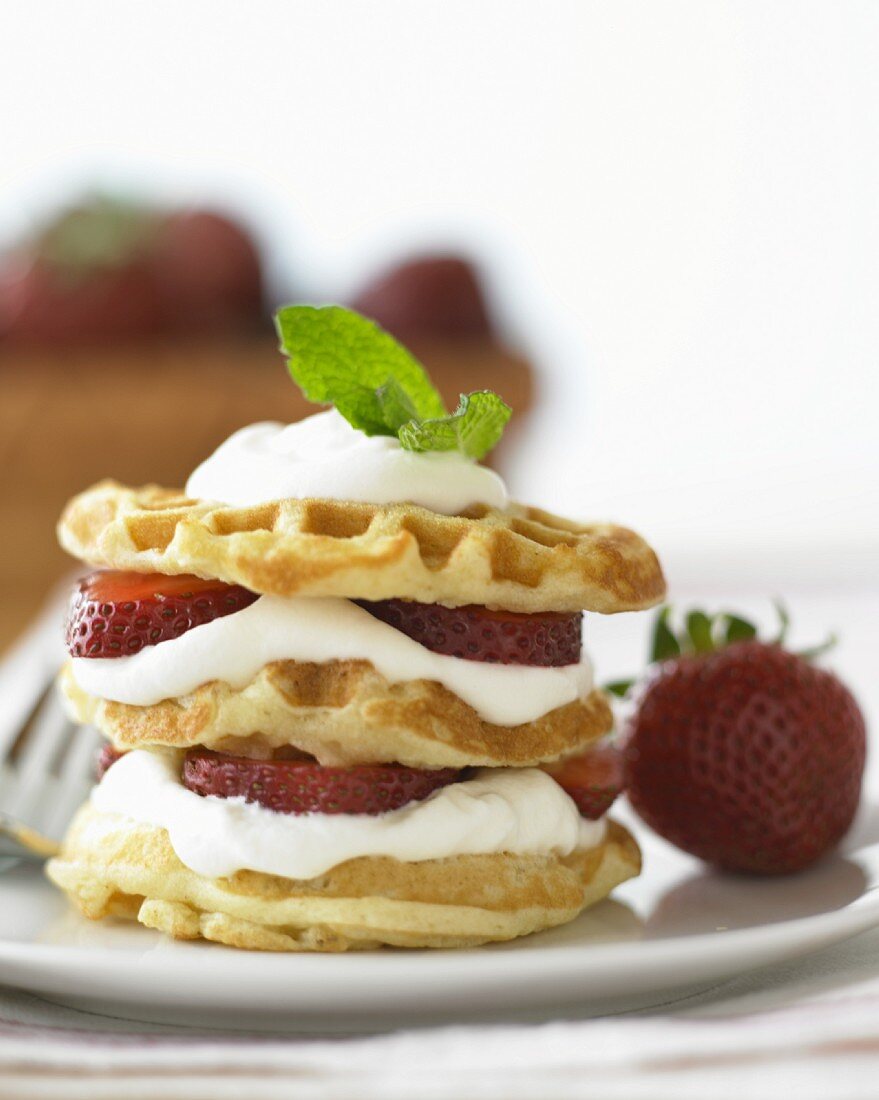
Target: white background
column 679, row 203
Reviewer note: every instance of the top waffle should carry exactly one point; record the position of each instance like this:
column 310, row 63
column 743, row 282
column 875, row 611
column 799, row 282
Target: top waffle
column 522, row 559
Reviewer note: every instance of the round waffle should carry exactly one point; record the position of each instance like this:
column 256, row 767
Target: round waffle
column 343, row 713
column 522, row 559
column 110, row 867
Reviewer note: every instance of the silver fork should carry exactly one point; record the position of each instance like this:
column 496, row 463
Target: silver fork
column 46, row 761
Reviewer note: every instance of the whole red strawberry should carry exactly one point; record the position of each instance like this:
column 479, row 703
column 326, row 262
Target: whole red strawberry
column 743, row 753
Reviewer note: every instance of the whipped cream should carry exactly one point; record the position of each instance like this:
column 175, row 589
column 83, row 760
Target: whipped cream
column 323, row 456
column 319, row 629
column 519, row 810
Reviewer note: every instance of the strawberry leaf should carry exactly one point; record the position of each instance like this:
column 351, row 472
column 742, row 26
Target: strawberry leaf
column 620, row 688
column 699, row 631
column 738, row 630
column 783, row 621
column 665, row 644
column 819, row 650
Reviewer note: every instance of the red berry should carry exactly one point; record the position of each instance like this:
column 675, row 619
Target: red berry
column 593, row 778
column 749, row 758
column 84, row 277
column 208, row 272
column 40, row 306
column 430, row 296
column 479, row 634
column 116, row 614
column 303, row 787
column 107, row 757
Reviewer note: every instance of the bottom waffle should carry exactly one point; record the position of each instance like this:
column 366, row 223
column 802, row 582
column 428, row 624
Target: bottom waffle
column 112, row 867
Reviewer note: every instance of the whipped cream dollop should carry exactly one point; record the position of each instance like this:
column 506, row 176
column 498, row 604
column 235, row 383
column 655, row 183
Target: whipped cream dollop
column 519, row 810
column 323, row 456
column 274, row 628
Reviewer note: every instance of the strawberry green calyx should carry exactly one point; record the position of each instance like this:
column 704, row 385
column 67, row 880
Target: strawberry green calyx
column 702, row 633
column 101, row 233
column 340, row 358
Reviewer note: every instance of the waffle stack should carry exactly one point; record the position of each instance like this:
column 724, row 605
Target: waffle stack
column 335, row 724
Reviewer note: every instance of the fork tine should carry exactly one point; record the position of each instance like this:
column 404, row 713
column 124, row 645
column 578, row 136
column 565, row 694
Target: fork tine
column 45, row 763
column 44, row 737
column 9, row 772
column 25, row 675
column 31, row 766
column 18, row 738
column 75, row 777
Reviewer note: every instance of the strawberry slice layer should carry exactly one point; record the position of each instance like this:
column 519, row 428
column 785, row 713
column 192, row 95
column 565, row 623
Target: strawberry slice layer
column 106, row 758
column 593, row 779
column 115, row 614
column 548, row 639
column 297, row 787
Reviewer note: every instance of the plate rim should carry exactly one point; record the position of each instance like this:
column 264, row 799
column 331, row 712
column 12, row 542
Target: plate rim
column 860, row 914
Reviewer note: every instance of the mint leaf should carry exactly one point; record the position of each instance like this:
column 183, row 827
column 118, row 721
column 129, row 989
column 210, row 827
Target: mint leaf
column 396, row 406
column 337, row 357
column 473, row 428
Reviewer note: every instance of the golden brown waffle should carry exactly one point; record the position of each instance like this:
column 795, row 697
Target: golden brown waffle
column 111, row 867
column 343, row 713
column 522, row 559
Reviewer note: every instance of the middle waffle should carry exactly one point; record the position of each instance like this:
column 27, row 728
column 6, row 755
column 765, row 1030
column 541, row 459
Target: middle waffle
column 342, row 713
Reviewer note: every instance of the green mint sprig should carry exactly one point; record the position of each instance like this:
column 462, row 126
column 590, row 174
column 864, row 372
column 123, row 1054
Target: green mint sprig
column 337, row 357
column 473, row 428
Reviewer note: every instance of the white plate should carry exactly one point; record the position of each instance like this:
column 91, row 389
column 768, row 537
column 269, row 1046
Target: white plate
column 676, row 926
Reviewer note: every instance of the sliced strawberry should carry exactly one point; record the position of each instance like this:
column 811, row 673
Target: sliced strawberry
column 116, row 614
column 593, row 778
column 297, row 787
column 480, row 634
column 107, row 757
